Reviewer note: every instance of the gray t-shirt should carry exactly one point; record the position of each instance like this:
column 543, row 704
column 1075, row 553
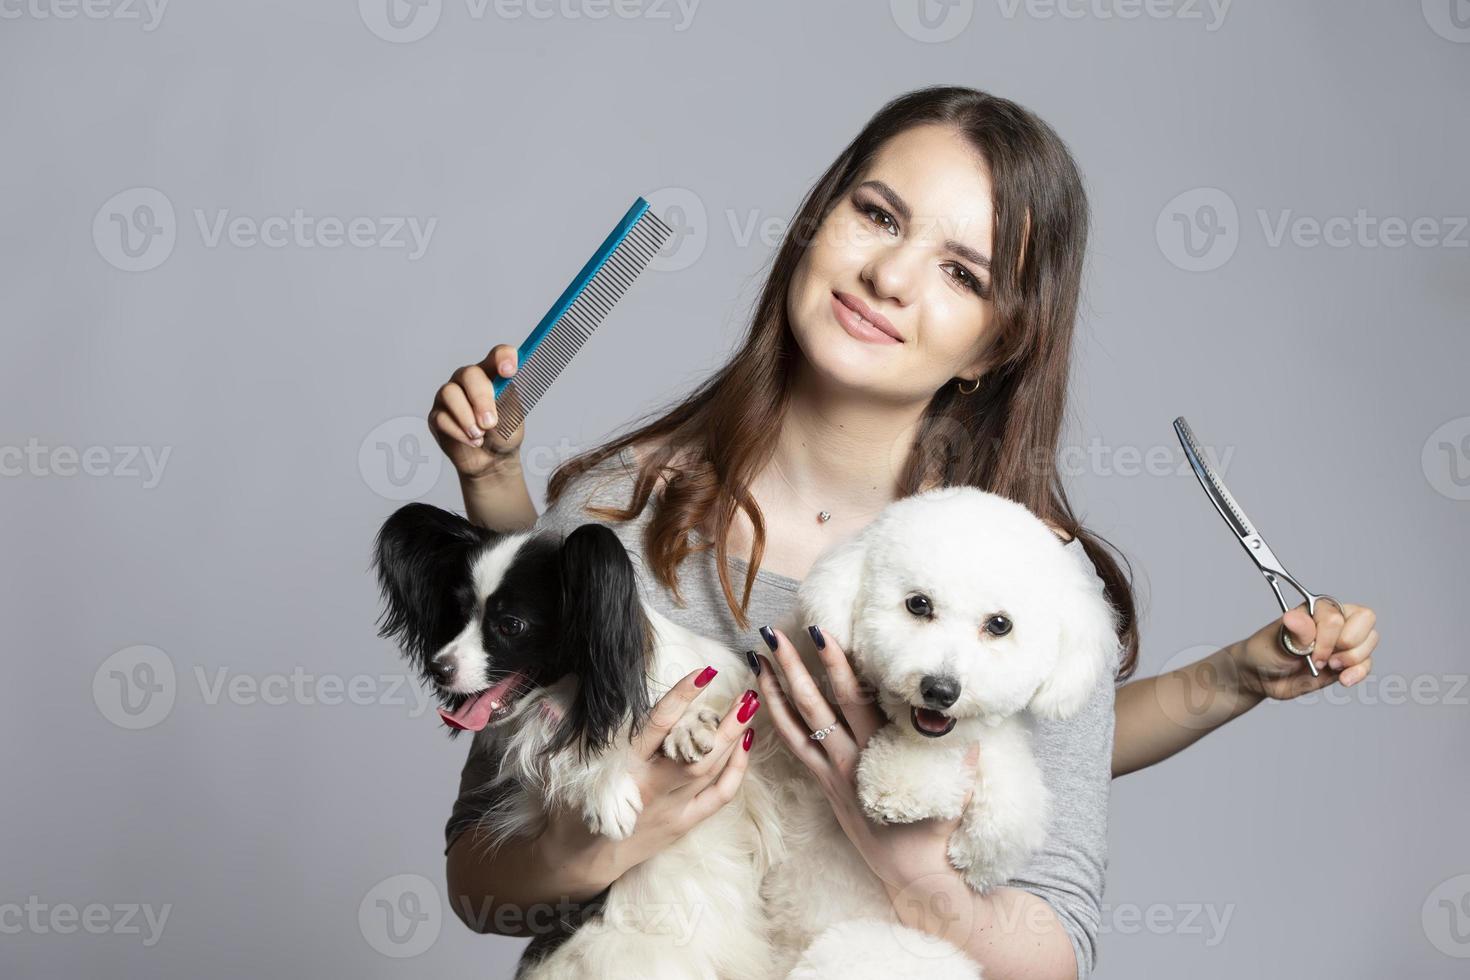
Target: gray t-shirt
column 1075, row 755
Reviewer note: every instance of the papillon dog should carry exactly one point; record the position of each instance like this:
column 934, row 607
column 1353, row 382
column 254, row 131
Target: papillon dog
column 541, row 645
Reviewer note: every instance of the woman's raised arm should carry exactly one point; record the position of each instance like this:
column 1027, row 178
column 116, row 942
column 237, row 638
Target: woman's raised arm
column 1160, row 716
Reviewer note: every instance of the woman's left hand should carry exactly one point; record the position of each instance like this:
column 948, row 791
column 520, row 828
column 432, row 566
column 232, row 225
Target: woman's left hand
column 1343, row 651
column 899, row 854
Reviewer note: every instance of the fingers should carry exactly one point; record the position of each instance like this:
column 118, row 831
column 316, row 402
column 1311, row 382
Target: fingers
column 857, row 704
column 1355, row 632
column 480, row 392
column 731, row 729
column 1330, row 622
column 723, row 789
column 801, row 690
column 452, row 415
column 500, row 361
column 792, row 729
column 1358, row 661
column 669, row 709
column 1301, row 626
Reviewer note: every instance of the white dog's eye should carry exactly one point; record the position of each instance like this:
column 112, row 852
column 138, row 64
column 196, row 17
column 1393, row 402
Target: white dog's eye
column 997, row 625
column 510, row 626
column 919, row 605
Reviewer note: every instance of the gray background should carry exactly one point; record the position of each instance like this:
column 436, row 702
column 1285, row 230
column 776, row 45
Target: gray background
column 272, row 820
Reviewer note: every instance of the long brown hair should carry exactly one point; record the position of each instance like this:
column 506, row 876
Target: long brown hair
column 1002, row 438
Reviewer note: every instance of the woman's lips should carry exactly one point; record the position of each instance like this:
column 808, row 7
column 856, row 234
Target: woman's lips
column 857, row 326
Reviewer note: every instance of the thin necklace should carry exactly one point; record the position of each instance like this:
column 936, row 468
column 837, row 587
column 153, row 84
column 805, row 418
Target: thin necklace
column 823, row 515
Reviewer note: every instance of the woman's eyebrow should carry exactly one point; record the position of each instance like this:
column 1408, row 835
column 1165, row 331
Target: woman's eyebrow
column 901, row 206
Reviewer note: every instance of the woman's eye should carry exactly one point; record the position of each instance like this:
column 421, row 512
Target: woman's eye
column 997, row 625
column 919, row 605
column 510, row 626
column 965, row 279
column 968, row 281
column 871, row 209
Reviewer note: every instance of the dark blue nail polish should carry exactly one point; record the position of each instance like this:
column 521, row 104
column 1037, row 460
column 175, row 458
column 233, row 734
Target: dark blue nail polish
column 817, row 637
column 754, row 661
column 769, row 635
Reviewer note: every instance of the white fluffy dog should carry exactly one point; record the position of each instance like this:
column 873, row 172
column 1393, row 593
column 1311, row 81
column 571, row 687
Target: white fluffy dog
column 963, row 610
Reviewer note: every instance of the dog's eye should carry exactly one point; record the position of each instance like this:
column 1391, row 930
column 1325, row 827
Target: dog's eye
column 510, row 626
column 997, row 625
column 919, row 605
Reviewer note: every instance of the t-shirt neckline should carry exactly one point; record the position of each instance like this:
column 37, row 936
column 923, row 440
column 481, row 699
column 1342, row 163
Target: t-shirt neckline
column 761, row 575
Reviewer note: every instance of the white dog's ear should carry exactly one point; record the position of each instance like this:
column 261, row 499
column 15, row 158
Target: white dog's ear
column 829, row 593
column 1087, row 644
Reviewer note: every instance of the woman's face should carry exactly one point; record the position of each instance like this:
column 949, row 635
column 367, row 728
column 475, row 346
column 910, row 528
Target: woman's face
column 910, row 241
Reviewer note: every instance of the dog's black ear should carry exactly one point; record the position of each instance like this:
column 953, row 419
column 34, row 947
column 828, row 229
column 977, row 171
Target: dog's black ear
column 605, row 638
column 422, row 556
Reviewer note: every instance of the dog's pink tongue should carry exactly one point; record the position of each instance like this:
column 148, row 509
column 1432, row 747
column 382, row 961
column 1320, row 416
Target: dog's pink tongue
column 931, row 721
column 474, row 714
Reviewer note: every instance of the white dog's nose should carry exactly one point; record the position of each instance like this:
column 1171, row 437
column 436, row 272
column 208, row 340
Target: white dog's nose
column 939, row 692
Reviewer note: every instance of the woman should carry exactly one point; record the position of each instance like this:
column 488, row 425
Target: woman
column 915, row 330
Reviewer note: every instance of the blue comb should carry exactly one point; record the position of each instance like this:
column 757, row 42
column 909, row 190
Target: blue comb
column 577, row 312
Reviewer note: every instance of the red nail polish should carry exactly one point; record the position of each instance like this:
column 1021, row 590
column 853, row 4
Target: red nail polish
column 748, row 739
column 705, row 676
column 747, row 696
column 747, row 709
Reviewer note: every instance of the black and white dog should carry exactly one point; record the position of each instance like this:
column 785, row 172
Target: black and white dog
column 542, row 646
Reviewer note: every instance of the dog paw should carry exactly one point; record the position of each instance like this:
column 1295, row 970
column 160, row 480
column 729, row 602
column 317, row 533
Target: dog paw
column 886, row 805
column 614, row 814
column 693, row 736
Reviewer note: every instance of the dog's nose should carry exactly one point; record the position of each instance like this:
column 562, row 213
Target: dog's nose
column 442, row 671
column 939, row 692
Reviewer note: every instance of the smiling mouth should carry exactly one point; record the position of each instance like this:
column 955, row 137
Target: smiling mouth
column 494, row 702
column 930, row 723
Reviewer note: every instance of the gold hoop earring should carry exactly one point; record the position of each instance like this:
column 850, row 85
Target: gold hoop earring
column 967, row 391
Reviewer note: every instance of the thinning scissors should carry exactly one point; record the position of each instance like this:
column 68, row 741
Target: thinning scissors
column 1250, row 539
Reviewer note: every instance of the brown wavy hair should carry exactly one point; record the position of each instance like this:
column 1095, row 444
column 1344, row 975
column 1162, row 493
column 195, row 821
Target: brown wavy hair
column 1002, row 438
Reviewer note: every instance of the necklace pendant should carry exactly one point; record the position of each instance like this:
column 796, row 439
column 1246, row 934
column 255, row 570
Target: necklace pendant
column 824, row 516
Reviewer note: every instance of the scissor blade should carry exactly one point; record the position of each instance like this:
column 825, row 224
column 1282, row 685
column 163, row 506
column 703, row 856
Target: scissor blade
column 1210, row 480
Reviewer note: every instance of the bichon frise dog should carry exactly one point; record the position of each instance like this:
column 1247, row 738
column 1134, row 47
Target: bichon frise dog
column 964, row 612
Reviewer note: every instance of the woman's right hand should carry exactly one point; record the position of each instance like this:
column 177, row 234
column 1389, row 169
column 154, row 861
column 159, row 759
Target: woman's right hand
column 464, row 417
column 677, row 795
